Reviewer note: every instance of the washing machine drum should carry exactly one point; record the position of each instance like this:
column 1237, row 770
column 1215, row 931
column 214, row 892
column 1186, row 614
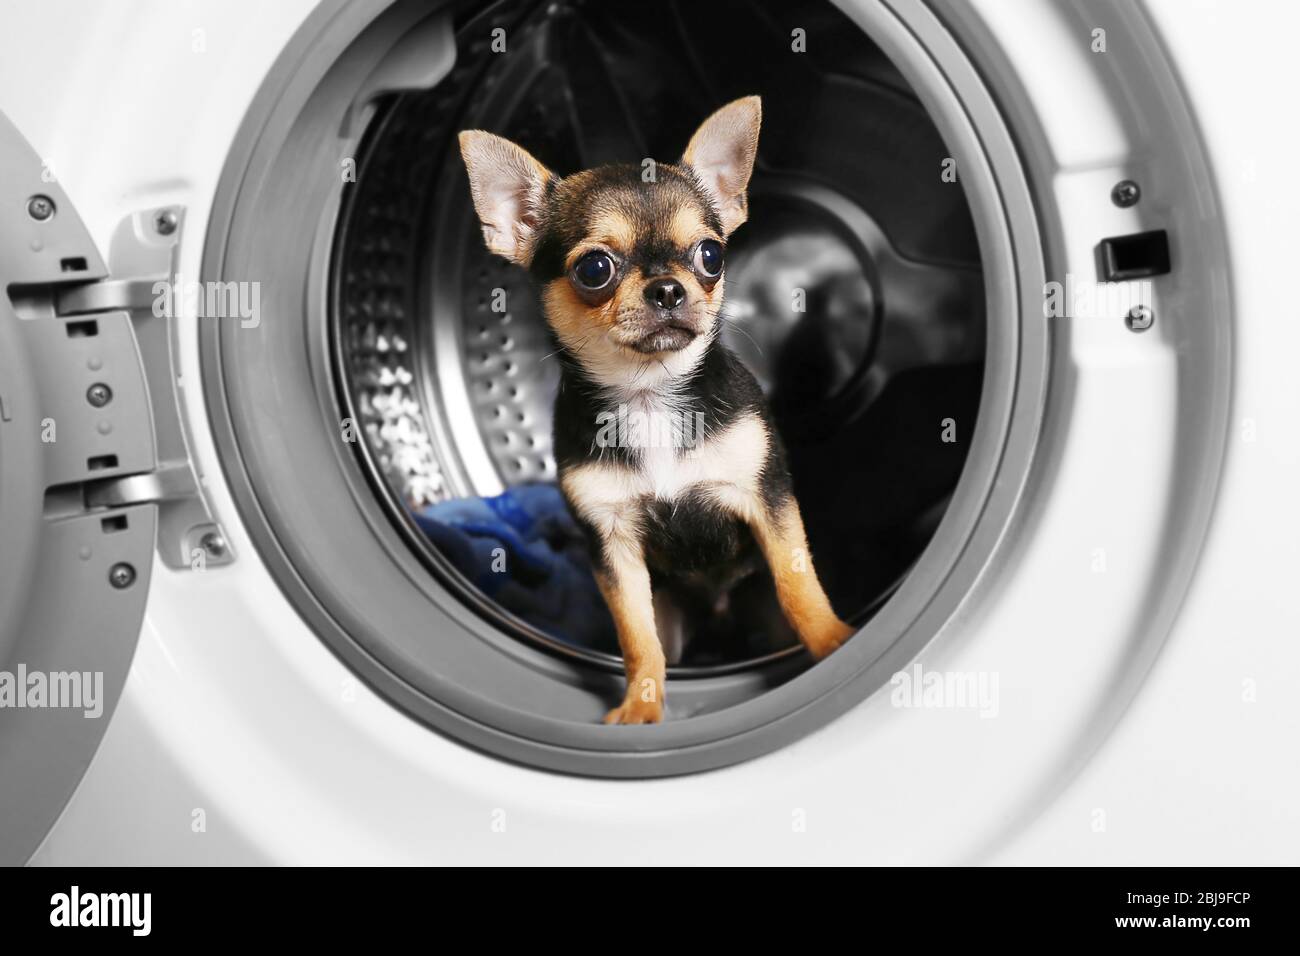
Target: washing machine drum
column 854, row 293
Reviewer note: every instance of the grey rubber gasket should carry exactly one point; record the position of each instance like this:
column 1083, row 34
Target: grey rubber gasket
column 317, row 525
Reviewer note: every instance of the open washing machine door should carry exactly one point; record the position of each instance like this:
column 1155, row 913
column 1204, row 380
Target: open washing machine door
column 92, row 472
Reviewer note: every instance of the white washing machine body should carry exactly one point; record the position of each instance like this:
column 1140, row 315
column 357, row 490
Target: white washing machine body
column 1138, row 632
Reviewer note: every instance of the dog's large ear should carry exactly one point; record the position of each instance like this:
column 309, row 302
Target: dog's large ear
column 508, row 186
column 722, row 155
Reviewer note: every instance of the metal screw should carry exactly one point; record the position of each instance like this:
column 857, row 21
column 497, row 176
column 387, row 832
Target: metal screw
column 1139, row 318
column 121, row 575
column 99, row 394
column 1126, row 193
column 40, row 208
column 213, row 544
column 165, row 222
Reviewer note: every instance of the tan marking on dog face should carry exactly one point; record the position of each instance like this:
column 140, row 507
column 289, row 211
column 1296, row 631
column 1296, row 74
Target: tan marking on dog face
column 573, row 319
column 686, row 227
column 610, row 228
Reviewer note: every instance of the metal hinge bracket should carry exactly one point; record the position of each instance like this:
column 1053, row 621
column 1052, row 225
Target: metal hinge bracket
column 142, row 265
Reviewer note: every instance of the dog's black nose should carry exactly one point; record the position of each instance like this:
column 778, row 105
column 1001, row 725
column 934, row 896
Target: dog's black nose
column 665, row 293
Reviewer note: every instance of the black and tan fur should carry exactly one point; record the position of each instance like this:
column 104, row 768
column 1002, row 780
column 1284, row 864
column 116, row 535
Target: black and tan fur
column 678, row 522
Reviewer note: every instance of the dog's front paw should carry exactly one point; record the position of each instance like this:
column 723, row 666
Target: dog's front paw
column 634, row 710
column 828, row 636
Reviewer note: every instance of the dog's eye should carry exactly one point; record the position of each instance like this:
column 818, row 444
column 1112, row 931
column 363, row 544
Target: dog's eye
column 594, row 270
column 708, row 258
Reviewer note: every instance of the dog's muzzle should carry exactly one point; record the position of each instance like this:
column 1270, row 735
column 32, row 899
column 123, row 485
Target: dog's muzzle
column 665, row 332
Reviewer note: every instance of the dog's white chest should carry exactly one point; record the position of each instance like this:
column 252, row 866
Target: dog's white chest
column 727, row 465
column 667, row 444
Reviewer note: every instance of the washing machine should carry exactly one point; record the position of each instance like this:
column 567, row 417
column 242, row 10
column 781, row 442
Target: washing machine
column 1009, row 282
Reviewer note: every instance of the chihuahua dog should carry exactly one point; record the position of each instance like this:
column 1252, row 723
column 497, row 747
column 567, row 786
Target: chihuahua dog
column 666, row 453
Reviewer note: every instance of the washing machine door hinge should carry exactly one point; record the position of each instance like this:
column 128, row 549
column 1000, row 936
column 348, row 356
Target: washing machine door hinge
column 142, row 285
